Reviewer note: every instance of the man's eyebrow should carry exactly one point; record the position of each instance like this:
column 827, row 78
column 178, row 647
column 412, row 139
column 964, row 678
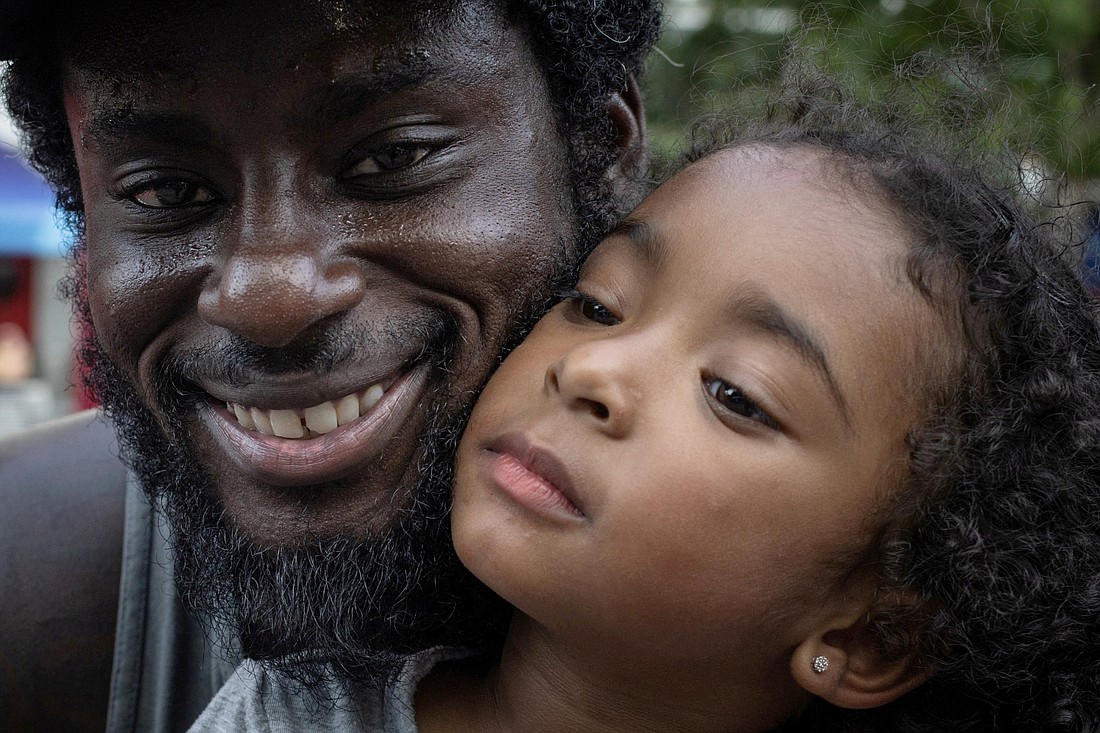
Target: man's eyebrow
column 649, row 243
column 339, row 101
column 115, row 125
column 348, row 97
column 767, row 316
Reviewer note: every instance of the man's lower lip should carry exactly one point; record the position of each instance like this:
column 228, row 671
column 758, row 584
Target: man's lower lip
column 289, row 462
column 529, row 489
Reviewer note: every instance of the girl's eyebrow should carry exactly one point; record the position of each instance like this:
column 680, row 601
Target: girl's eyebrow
column 755, row 308
column 767, row 316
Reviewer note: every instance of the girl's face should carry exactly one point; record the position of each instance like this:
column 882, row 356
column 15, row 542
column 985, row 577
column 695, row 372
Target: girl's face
column 675, row 464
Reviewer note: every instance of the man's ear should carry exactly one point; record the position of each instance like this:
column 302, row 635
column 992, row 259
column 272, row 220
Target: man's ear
column 627, row 113
column 845, row 665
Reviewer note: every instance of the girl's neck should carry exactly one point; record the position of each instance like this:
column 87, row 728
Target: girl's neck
column 540, row 686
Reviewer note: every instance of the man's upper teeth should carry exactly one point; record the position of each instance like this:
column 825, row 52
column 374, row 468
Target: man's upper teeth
column 312, row 421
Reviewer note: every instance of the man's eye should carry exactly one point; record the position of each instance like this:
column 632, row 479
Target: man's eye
column 389, row 158
column 592, row 310
column 173, row 194
column 730, row 398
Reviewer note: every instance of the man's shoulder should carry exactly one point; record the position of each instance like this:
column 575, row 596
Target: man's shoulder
column 62, row 489
column 62, row 498
column 60, row 445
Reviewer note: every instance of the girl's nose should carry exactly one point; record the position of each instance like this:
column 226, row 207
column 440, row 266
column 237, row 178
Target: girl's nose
column 594, row 380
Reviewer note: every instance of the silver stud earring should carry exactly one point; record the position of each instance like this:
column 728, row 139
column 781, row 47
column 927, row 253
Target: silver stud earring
column 820, row 664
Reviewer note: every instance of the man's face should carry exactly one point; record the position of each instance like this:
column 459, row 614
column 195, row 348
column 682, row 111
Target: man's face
column 314, row 226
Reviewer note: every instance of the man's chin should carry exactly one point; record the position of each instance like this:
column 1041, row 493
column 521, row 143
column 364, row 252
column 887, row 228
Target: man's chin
column 338, row 604
column 361, row 506
column 341, row 606
column 314, row 592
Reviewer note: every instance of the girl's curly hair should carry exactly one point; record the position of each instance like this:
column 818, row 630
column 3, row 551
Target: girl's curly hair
column 996, row 531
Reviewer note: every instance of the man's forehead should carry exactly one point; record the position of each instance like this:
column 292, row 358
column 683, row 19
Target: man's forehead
column 180, row 40
column 153, row 92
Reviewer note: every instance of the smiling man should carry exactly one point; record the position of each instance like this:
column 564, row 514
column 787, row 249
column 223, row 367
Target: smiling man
column 306, row 233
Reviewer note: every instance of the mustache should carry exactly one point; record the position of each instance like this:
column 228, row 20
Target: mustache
column 235, row 361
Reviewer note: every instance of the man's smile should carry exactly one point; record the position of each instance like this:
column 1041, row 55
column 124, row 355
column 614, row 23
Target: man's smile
column 288, row 446
column 311, row 422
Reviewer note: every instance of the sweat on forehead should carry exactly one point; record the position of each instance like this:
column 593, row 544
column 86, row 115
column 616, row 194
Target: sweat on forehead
column 351, row 63
column 132, row 40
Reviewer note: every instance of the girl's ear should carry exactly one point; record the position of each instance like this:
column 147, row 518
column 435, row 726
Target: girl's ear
column 845, row 665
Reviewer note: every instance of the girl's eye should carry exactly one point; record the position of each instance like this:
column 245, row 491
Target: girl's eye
column 592, row 310
column 172, row 194
column 389, row 158
column 730, row 398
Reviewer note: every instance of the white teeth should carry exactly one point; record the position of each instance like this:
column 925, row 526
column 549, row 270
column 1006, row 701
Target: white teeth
column 311, row 422
column 321, row 418
column 370, row 398
column 287, row 424
column 261, row 420
column 347, row 409
column 244, row 417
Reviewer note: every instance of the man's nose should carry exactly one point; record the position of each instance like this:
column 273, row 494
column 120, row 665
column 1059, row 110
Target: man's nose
column 597, row 380
column 272, row 297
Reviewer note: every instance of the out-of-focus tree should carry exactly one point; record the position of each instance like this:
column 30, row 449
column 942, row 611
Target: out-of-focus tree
column 1048, row 52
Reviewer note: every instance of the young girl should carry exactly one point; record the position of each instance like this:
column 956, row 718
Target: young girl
column 813, row 446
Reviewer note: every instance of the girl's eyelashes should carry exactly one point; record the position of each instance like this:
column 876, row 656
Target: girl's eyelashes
column 730, row 401
column 590, row 309
column 729, row 398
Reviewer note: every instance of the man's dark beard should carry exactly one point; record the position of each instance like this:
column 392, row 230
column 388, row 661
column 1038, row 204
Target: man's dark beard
column 337, row 608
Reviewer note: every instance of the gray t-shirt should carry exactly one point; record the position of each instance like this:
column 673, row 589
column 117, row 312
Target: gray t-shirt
column 254, row 700
column 166, row 670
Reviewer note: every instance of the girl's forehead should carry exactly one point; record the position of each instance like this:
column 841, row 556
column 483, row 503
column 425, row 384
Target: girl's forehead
column 746, row 170
column 759, row 197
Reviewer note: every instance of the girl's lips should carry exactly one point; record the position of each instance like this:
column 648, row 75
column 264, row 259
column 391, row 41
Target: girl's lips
column 295, row 462
column 533, row 477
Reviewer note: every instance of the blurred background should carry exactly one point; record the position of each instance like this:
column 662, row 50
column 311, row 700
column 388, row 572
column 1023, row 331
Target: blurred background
column 35, row 339
column 1049, row 49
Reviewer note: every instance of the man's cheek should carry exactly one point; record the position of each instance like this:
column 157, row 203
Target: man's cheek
column 135, row 296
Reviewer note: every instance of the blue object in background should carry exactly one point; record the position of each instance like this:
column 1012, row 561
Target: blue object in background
column 27, row 224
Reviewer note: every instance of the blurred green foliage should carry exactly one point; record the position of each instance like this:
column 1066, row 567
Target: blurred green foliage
column 1048, row 51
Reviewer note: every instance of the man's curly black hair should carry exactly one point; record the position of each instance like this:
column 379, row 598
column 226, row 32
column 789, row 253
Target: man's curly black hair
column 588, row 49
column 997, row 526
